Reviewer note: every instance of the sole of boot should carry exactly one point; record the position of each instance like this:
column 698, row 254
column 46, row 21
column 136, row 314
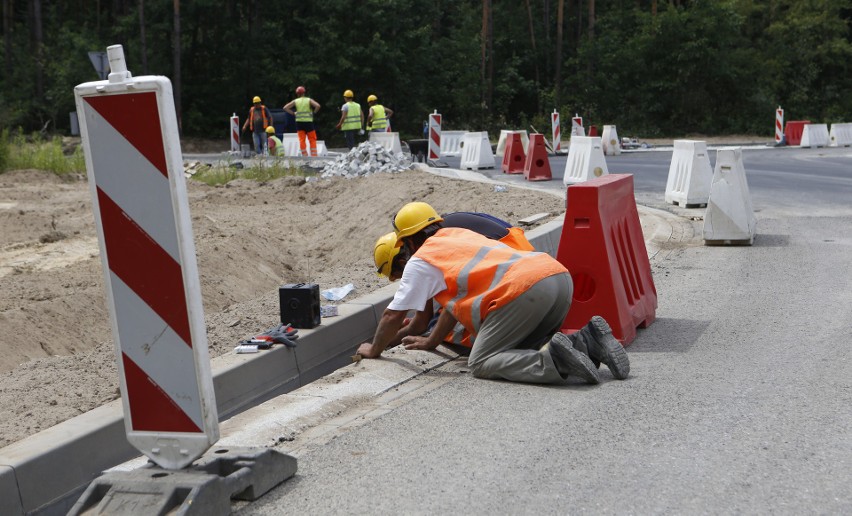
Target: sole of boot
column 612, row 352
column 572, row 361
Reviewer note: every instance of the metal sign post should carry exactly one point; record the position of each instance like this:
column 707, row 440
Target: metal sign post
column 101, row 63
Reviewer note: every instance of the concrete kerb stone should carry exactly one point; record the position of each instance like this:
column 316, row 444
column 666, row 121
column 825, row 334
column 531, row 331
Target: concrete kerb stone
column 45, row 472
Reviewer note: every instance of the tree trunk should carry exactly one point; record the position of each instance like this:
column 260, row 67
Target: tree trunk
column 176, row 60
column 142, row 41
column 557, row 80
column 38, row 43
column 535, row 56
column 7, row 36
column 484, row 46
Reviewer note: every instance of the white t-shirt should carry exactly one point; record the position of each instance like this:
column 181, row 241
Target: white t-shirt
column 420, row 282
column 345, row 108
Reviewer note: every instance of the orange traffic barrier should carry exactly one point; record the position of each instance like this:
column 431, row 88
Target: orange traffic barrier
column 537, row 166
column 514, row 156
column 603, row 248
column 793, row 131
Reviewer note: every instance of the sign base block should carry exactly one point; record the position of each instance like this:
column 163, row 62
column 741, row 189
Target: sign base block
column 205, row 488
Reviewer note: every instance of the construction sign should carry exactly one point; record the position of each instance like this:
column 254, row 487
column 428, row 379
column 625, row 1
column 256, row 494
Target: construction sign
column 134, row 165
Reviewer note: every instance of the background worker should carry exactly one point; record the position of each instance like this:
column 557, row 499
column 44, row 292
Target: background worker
column 306, row 108
column 351, row 118
column 273, row 143
column 513, row 302
column 378, row 119
column 259, row 118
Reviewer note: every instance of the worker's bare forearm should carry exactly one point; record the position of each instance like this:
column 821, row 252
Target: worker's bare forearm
column 446, row 322
column 386, row 332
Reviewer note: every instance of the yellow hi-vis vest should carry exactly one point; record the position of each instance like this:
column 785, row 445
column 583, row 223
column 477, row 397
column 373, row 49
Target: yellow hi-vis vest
column 303, row 110
column 482, row 275
column 380, row 119
column 353, row 117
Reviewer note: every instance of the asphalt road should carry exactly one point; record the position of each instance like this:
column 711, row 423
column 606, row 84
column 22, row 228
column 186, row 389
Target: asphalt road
column 738, row 401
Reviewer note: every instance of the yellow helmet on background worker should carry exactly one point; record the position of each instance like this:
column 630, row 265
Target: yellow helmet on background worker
column 270, row 130
column 372, row 98
column 348, row 94
column 256, row 100
column 384, row 252
column 413, row 217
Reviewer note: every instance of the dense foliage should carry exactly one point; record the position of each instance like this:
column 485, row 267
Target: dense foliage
column 650, row 67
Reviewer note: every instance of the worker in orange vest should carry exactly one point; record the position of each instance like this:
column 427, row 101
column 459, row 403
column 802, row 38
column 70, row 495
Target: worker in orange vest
column 389, row 263
column 259, row 118
column 513, row 303
column 305, row 107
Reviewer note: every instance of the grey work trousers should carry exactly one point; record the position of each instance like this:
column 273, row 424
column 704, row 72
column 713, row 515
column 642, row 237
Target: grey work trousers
column 509, row 342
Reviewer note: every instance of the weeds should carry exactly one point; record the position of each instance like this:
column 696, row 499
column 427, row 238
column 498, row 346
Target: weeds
column 17, row 151
column 262, row 171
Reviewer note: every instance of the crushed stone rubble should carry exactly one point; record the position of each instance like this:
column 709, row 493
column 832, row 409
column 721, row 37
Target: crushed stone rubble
column 366, row 159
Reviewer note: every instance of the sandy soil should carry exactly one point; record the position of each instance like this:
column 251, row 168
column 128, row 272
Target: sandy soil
column 56, row 352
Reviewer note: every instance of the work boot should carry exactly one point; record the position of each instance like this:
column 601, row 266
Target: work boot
column 603, row 347
column 578, row 341
column 569, row 361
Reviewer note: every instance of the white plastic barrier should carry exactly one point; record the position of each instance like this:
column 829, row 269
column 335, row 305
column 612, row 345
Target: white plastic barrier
column 290, row 145
column 322, row 150
column 840, row 135
column 610, row 141
column 585, row 160
column 690, row 174
column 389, row 141
column 451, row 142
column 814, row 135
column 476, row 151
column 730, row 216
column 504, row 134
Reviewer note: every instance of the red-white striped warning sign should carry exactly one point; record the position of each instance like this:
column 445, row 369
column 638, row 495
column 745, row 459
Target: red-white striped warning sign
column 779, row 125
column 147, row 251
column 556, row 130
column 434, row 136
column 235, row 133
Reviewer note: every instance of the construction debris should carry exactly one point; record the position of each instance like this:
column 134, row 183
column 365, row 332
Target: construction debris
column 366, row 159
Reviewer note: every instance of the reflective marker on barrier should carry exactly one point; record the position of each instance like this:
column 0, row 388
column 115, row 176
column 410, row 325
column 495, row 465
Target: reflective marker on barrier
column 135, row 171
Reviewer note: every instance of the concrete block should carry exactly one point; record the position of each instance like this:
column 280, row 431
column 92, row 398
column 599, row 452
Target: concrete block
column 10, row 500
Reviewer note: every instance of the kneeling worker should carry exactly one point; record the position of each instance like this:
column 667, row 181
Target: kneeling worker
column 273, row 143
column 513, row 303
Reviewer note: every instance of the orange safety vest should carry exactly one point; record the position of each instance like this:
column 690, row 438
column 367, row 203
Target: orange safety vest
column 516, row 239
column 482, row 275
column 263, row 112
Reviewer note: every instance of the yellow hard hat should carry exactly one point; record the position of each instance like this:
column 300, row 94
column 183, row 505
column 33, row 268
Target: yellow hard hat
column 372, row 98
column 270, row 130
column 348, row 94
column 384, row 252
column 413, row 217
column 255, row 100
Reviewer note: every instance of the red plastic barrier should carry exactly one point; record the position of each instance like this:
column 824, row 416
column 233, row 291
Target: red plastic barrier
column 593, row 130
column 793, row 131
column 514, row 156
column 537, row 166
column 603, row 247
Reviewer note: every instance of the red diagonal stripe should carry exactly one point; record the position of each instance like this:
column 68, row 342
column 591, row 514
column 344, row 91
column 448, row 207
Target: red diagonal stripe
column 144, row 266
column 436, row 137
column 151, row 408
column 137, row 118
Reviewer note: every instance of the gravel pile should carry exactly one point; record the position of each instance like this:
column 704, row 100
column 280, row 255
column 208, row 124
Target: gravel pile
column 366, row 159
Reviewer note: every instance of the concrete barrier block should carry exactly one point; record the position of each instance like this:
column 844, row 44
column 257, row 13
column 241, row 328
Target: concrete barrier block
column 10, row 500
column 690, row 173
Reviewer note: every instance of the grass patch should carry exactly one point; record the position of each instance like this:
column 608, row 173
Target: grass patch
column 260, row 172
column 18, row 151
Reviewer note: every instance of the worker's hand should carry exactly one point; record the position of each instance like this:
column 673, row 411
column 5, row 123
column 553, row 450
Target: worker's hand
column 366, row 350
column 418, row 342
column 337, row 126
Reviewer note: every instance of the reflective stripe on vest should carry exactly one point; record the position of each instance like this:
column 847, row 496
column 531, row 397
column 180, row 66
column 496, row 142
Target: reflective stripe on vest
column 263, row 112
column 380, row 119
column 303, row 110
column 482, row 275
column 353, row 117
